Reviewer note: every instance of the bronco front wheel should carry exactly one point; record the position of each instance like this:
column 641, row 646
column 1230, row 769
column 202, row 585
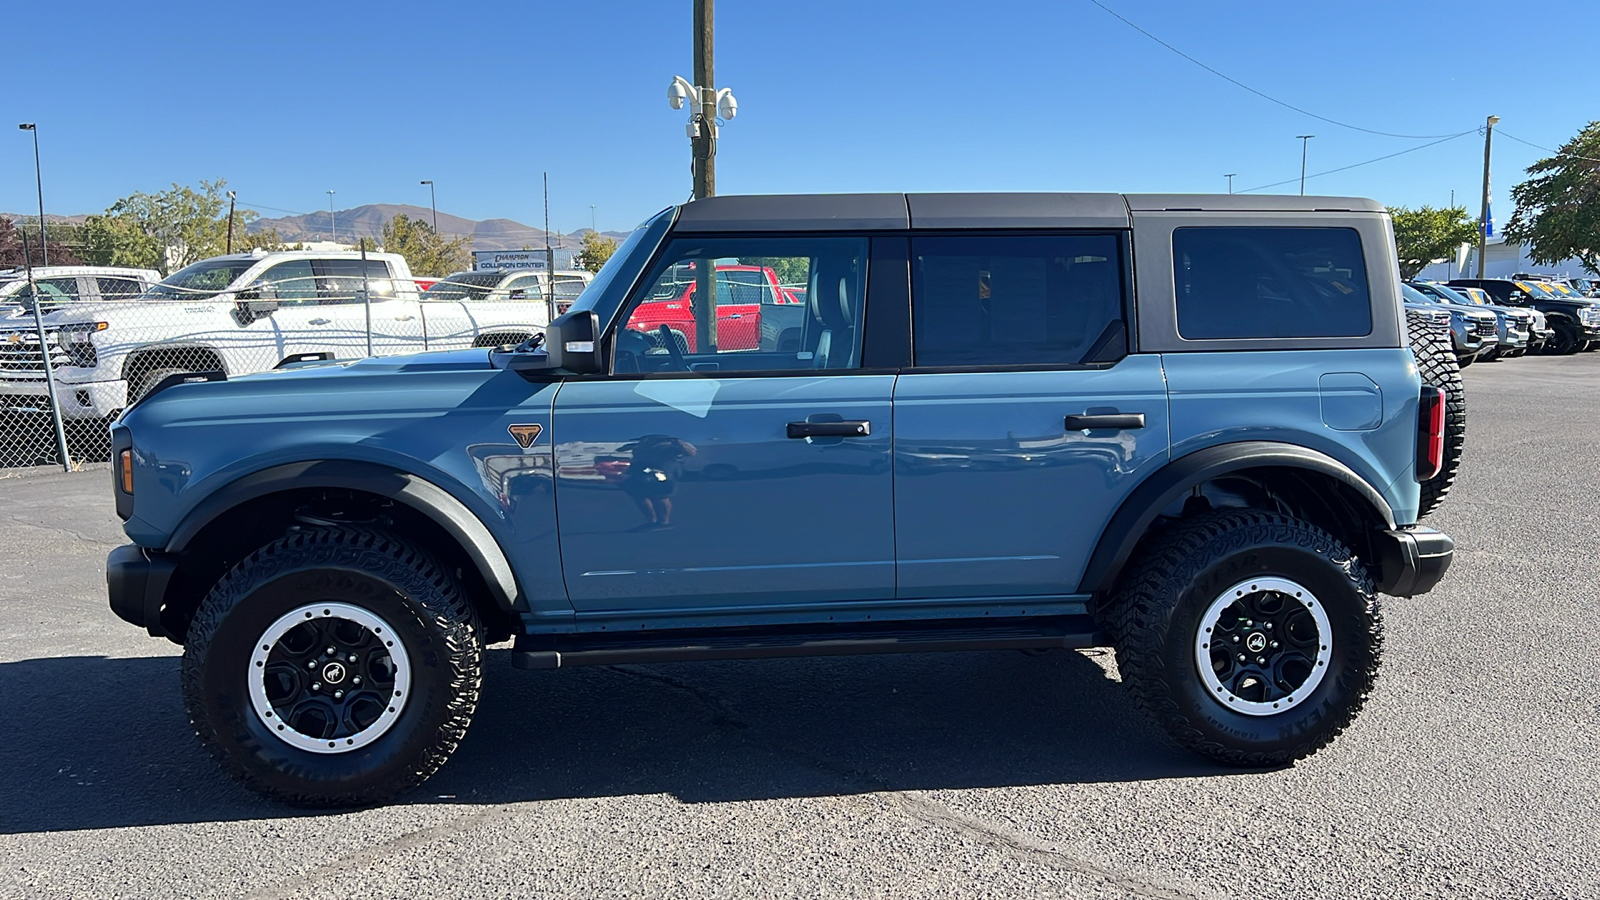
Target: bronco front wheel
column 333, row 667
column 1249, row 636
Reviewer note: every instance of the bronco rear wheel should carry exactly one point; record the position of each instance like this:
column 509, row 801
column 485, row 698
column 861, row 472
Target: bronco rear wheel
column 1250, row 637
column 333, row 667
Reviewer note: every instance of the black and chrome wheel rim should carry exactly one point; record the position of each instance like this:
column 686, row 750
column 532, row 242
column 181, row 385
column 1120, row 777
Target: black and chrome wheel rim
column 1263, row 646
column 329, row 678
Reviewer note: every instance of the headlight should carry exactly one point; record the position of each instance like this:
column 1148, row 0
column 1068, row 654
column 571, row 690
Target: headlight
column 77, row 342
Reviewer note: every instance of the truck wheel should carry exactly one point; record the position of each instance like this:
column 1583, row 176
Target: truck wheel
column 1436, row 362
column 1250, row 637
column 333, row 668
column 148, row 381
column 1563, row 340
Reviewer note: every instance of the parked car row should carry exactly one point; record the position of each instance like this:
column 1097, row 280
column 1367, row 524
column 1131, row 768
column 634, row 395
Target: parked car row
column 115, row 333
column 1501, row 318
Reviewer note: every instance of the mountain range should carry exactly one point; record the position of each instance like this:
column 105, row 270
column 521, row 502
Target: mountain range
column 367, row 221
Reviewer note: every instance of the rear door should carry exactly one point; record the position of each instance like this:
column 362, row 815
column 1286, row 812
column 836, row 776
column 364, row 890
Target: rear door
column 1024, row 421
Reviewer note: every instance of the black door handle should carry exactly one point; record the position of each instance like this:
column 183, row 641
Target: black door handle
column 1108, row 420
column 860, row 428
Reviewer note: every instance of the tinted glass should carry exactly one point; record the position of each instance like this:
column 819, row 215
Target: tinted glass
column 669, row 328
column 289, row 282
column 339, row 280
column 118, row 288
column 1270, row 283
column 1024, row 300
column 473, row 285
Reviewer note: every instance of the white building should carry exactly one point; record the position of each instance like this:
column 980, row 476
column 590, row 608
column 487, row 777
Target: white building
column 1502, row 260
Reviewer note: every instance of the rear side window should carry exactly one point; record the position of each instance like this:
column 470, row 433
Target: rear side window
column 1270, row 283
column 1022, row 300
column 118, row 288
column 339, row 280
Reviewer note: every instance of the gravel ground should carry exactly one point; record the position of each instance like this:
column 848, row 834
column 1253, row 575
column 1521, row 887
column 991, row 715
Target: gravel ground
column 1474, row 771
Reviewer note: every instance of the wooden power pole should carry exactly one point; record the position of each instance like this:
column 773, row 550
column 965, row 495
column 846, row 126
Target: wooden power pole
column 705, row 143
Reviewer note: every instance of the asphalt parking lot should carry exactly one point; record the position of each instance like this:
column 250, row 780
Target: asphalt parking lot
column 1474, row 771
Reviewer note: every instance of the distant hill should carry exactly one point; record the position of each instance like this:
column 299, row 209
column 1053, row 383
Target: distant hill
column 368, row 221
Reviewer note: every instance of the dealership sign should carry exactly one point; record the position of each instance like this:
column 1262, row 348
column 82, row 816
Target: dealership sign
column 522, row 259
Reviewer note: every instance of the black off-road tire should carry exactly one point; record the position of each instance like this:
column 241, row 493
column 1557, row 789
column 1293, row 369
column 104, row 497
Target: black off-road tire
column 1565, row 339
column 381, row 574
column 1436, row 362
column 1155, row 616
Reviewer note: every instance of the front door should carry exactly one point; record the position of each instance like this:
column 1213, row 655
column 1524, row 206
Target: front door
column 1024, row 421
column 703, row 480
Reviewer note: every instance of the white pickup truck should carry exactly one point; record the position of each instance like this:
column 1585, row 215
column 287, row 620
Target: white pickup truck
column 243, row 313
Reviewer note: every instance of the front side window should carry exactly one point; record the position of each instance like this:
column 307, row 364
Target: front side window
column 707, row 306
column 1280, row 282
column 1028, row 300
column 289, row 282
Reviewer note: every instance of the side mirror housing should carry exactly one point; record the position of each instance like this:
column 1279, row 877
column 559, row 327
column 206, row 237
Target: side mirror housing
column 574, row 342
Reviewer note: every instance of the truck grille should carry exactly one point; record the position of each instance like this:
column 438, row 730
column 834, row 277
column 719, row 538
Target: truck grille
column 19, row 353
column 1589, row 315
column 1487, row 327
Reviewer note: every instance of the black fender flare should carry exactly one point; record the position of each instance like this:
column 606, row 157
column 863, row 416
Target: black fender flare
column 402, row 487
column 1132, row 519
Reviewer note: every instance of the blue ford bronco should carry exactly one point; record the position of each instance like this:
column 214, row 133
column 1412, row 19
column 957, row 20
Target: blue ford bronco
column 1187, row 427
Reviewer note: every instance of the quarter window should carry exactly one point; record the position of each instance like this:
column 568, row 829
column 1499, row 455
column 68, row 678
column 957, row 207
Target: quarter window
column 740, row 325
column 1270, row 283
column 118, row 288
column 1017, row 300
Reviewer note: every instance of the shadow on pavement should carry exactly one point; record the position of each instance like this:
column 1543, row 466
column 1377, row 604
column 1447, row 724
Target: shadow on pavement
column 91, row 742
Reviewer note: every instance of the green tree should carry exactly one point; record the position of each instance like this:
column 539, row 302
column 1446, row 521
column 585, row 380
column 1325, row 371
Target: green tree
column 426, row 252
column 597, row 248
column 1558, row 209
column 1426, row 235
column 791, row 270
column 170, row 229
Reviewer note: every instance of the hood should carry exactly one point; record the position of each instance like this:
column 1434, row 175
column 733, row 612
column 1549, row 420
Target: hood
column 473, row 359
column 53, row 314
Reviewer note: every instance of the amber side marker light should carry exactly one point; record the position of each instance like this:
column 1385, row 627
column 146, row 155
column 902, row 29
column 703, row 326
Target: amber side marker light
column 125, row 466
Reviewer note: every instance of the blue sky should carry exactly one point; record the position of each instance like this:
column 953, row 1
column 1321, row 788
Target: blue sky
column 290, row 99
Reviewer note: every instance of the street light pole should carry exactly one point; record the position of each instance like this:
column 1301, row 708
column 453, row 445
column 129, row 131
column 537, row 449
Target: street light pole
column 333, row 227
column 230, row 221
column 1229, row 176
column 591, row 219
column 1483, row 218
column 1305, row 141
column 433, row 203
column 38, row 179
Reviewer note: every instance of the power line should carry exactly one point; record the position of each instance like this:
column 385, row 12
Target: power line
column 1359, row 164
column 1236, row 82
column 1547, row 149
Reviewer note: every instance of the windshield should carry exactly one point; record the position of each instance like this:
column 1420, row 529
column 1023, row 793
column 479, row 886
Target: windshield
column 204, row 279
column 1416, row 296
column 1454, row 295
column 1539, row 290
column 464, row 286
column 625, row 264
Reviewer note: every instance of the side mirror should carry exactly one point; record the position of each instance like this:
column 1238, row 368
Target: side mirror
column 574, row 342
column 517, row 294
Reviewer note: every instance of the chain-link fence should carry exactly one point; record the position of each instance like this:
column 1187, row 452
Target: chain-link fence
column 79, row 345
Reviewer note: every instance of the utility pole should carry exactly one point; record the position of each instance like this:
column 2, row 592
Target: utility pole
column 1483, row 218
column 1229, row 176
column 705, row 142
column 230, row 221
column 1305, row 141
column 591, row 218
column 549, row 258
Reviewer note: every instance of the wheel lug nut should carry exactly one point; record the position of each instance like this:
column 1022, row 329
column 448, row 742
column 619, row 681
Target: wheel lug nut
column 356, row 680
column 1269, row 626
column 1236, row 639
column 332, row 650
column 338, row 695
column 1241, row 657
column 351, row 657
column 1261, row 660
column 316, row 685
column 1274, row 645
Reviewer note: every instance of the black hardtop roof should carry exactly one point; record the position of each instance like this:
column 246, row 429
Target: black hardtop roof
column 884, row 212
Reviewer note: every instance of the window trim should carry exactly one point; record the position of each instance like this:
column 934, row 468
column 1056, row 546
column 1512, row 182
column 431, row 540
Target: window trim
column 1129, row 312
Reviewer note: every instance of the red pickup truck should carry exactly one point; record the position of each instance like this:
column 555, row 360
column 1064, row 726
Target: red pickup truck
column 742, row 291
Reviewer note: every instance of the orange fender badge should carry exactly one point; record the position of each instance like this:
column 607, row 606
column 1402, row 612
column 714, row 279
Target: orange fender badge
column 525, row 434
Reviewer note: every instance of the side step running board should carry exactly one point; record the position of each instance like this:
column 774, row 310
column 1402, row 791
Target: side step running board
column 565, row 651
